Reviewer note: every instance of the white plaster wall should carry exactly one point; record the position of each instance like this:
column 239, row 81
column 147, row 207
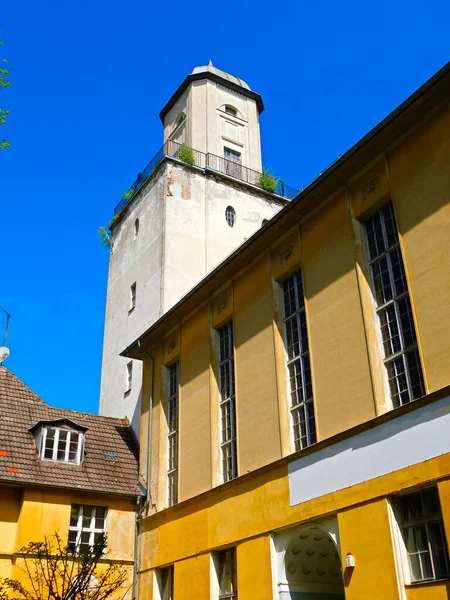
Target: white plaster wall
column 251, row 208
column 132, row 260
column 408, row 440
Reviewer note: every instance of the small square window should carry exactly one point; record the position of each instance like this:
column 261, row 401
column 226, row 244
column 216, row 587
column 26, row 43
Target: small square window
column 132, row 297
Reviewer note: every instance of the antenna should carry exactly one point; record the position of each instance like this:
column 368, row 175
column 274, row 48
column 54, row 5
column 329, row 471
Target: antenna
column 4, row 351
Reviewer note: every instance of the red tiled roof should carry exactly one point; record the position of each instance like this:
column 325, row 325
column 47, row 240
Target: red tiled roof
column 110, row 463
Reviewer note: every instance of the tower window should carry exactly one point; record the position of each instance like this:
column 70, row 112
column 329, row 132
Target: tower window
column 132, row 297
column 136, row 228
column 230, row 216
column 129, row 376
column 230, row 110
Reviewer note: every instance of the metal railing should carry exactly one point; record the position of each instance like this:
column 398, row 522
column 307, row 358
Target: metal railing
column 204, row 161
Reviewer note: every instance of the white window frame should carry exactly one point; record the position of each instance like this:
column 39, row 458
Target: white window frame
column 70, row 433
column 92, row 530
column 216, row 573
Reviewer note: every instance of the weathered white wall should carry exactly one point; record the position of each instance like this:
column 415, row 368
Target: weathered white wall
column 183, row 234
column 408, row 440
column 132, row 260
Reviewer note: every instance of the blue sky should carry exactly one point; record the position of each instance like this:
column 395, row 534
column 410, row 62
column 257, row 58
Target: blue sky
column 89, row 81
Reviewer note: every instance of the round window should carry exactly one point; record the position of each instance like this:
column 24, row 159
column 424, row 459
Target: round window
column 230, row 216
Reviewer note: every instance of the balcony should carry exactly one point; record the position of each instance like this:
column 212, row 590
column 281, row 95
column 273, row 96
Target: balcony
column 209, row 162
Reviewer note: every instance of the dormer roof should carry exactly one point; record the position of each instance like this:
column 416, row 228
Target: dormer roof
column 23, row 412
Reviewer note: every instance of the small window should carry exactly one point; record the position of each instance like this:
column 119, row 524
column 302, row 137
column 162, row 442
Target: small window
column 165, row 583
column 136, row 228
column 230, row 110
column 264, row 222
column 61, row 445
column 227, row 574
column 132, row 297
column 424, row 535
column 129, row 376
column 87, row 527
column 230, row 216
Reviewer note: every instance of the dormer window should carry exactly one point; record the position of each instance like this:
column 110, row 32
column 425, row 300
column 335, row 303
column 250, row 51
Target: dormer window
column 61, row 440
column 61, row 445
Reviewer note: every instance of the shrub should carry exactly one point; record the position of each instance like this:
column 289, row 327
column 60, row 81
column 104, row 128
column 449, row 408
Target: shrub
column 267, row 181
column 104, row 237
column 186, row 154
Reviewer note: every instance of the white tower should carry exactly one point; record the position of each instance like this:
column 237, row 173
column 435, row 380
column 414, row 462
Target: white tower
column 181, row 218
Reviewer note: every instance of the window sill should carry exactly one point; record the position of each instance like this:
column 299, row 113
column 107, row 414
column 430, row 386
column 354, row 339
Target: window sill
column 427, row 582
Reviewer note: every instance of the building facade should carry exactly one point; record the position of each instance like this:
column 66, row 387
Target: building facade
column 181, row 217
column 295, row 402
column 64, row 472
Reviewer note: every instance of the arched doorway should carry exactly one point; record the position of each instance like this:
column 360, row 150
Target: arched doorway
column 312, row 566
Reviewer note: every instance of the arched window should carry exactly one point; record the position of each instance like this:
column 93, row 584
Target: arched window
column 230, row 216
column 230, row 110
column 136, row 228
column 264, row 222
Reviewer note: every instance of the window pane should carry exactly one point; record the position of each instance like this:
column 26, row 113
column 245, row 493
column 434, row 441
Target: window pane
column 74, row 515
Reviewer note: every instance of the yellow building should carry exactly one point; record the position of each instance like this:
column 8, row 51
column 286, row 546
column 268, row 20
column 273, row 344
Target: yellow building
column 63, row 471
column 295, row 423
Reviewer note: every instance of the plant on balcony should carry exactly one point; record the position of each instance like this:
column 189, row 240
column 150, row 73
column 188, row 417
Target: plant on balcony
column 267, row 181
column 186, row 154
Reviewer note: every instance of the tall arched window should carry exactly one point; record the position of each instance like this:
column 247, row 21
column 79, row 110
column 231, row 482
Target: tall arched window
column 230, row 110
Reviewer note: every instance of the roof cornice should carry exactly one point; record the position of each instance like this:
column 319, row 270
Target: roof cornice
column 217, row 79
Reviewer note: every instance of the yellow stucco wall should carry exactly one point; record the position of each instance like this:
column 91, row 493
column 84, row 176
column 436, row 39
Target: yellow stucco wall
column 194, row 404
column 339, row 362
column 420, row 180
column 254, row 581
column 365, row 532
column 28, row 515
column 257, row 413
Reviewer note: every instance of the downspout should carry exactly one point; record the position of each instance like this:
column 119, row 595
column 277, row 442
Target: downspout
column 140, row 509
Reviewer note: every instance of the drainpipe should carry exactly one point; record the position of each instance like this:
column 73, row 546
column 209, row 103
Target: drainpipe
column 140, row 509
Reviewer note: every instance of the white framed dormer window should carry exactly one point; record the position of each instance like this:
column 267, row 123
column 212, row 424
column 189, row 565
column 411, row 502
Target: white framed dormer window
column 61, row 445
column 87, row 527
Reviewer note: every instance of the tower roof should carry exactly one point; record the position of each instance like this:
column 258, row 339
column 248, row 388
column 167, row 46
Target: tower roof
column 210, row 68
column 212, row 73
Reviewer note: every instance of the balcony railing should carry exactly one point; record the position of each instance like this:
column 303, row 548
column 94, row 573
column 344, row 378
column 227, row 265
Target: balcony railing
column 204, row 161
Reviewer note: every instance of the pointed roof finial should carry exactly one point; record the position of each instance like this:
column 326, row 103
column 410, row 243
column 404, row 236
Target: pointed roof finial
column 210, row 63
